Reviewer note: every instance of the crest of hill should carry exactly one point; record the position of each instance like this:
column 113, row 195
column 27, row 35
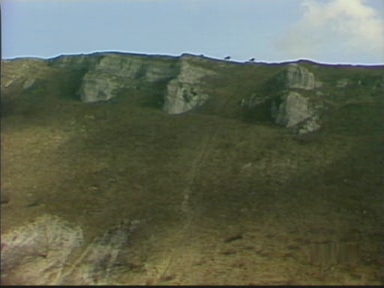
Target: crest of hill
column 297, row 94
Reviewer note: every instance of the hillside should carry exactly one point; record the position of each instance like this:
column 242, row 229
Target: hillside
column 190, row 170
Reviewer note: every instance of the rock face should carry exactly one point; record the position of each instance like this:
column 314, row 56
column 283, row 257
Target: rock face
column 99, row 86
column 310, row 125
column 295, row 111
column 38, row 252
column 74, row 61
column 43, row 252
column 137, row 67
column 289, row 95
column 288, row 107
column 115, row 72
column 182, row 97
column 298, row 77
column 292, row 110
column 184, row 92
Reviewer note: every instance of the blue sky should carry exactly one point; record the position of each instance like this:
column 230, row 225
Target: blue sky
column 327, row 31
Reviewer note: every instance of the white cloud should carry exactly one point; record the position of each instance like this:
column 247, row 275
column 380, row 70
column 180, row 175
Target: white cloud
column 343, row 27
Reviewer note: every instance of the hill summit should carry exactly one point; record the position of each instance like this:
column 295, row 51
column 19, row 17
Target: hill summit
column 295, row 95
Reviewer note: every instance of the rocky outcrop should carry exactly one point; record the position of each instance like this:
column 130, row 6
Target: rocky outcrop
column 295, row 111
column 289, row 95
column 287, row 107
column 298, row 77
column 136, row 67
column 185, row 92
column 254, row 100
column 75, row 62
column 310, row 125
column 182, row 97
column 292, row 110
column 342, row 83
column 29, row 246
column 99, row 87
column 116, row 72
column 29, row 83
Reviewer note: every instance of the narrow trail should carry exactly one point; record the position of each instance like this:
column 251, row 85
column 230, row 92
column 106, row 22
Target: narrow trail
column 185, row 206
column 178, row 254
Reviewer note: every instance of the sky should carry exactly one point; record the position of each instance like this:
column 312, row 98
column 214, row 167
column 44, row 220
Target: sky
column 325, row 31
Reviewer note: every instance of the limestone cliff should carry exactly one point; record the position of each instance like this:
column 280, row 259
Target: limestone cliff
column 114, row 72
column 291, row 95
column 298, row 77
column 296, row 111
column 185, row 92
column 288, row 107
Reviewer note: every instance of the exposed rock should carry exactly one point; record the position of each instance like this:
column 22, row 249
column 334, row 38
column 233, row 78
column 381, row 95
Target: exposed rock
column 28, row 83
column 74, row 62
column 299, row 77
column 37, row 253
column 47, row 250
column 95, row 87
column 310, row 125
column 115, row 72
column 253, row 101
column 8, row 83
column 95, row 266
column 179, row 84
column 318, row 84
column 294, row 111
column 182, row 97
column 342, row 83
column 134, row 67
column 184, row 93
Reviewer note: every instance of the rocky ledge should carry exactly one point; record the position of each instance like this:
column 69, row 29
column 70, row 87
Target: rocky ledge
column 294, row 97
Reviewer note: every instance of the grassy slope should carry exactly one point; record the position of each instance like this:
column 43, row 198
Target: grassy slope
column 99, row 163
